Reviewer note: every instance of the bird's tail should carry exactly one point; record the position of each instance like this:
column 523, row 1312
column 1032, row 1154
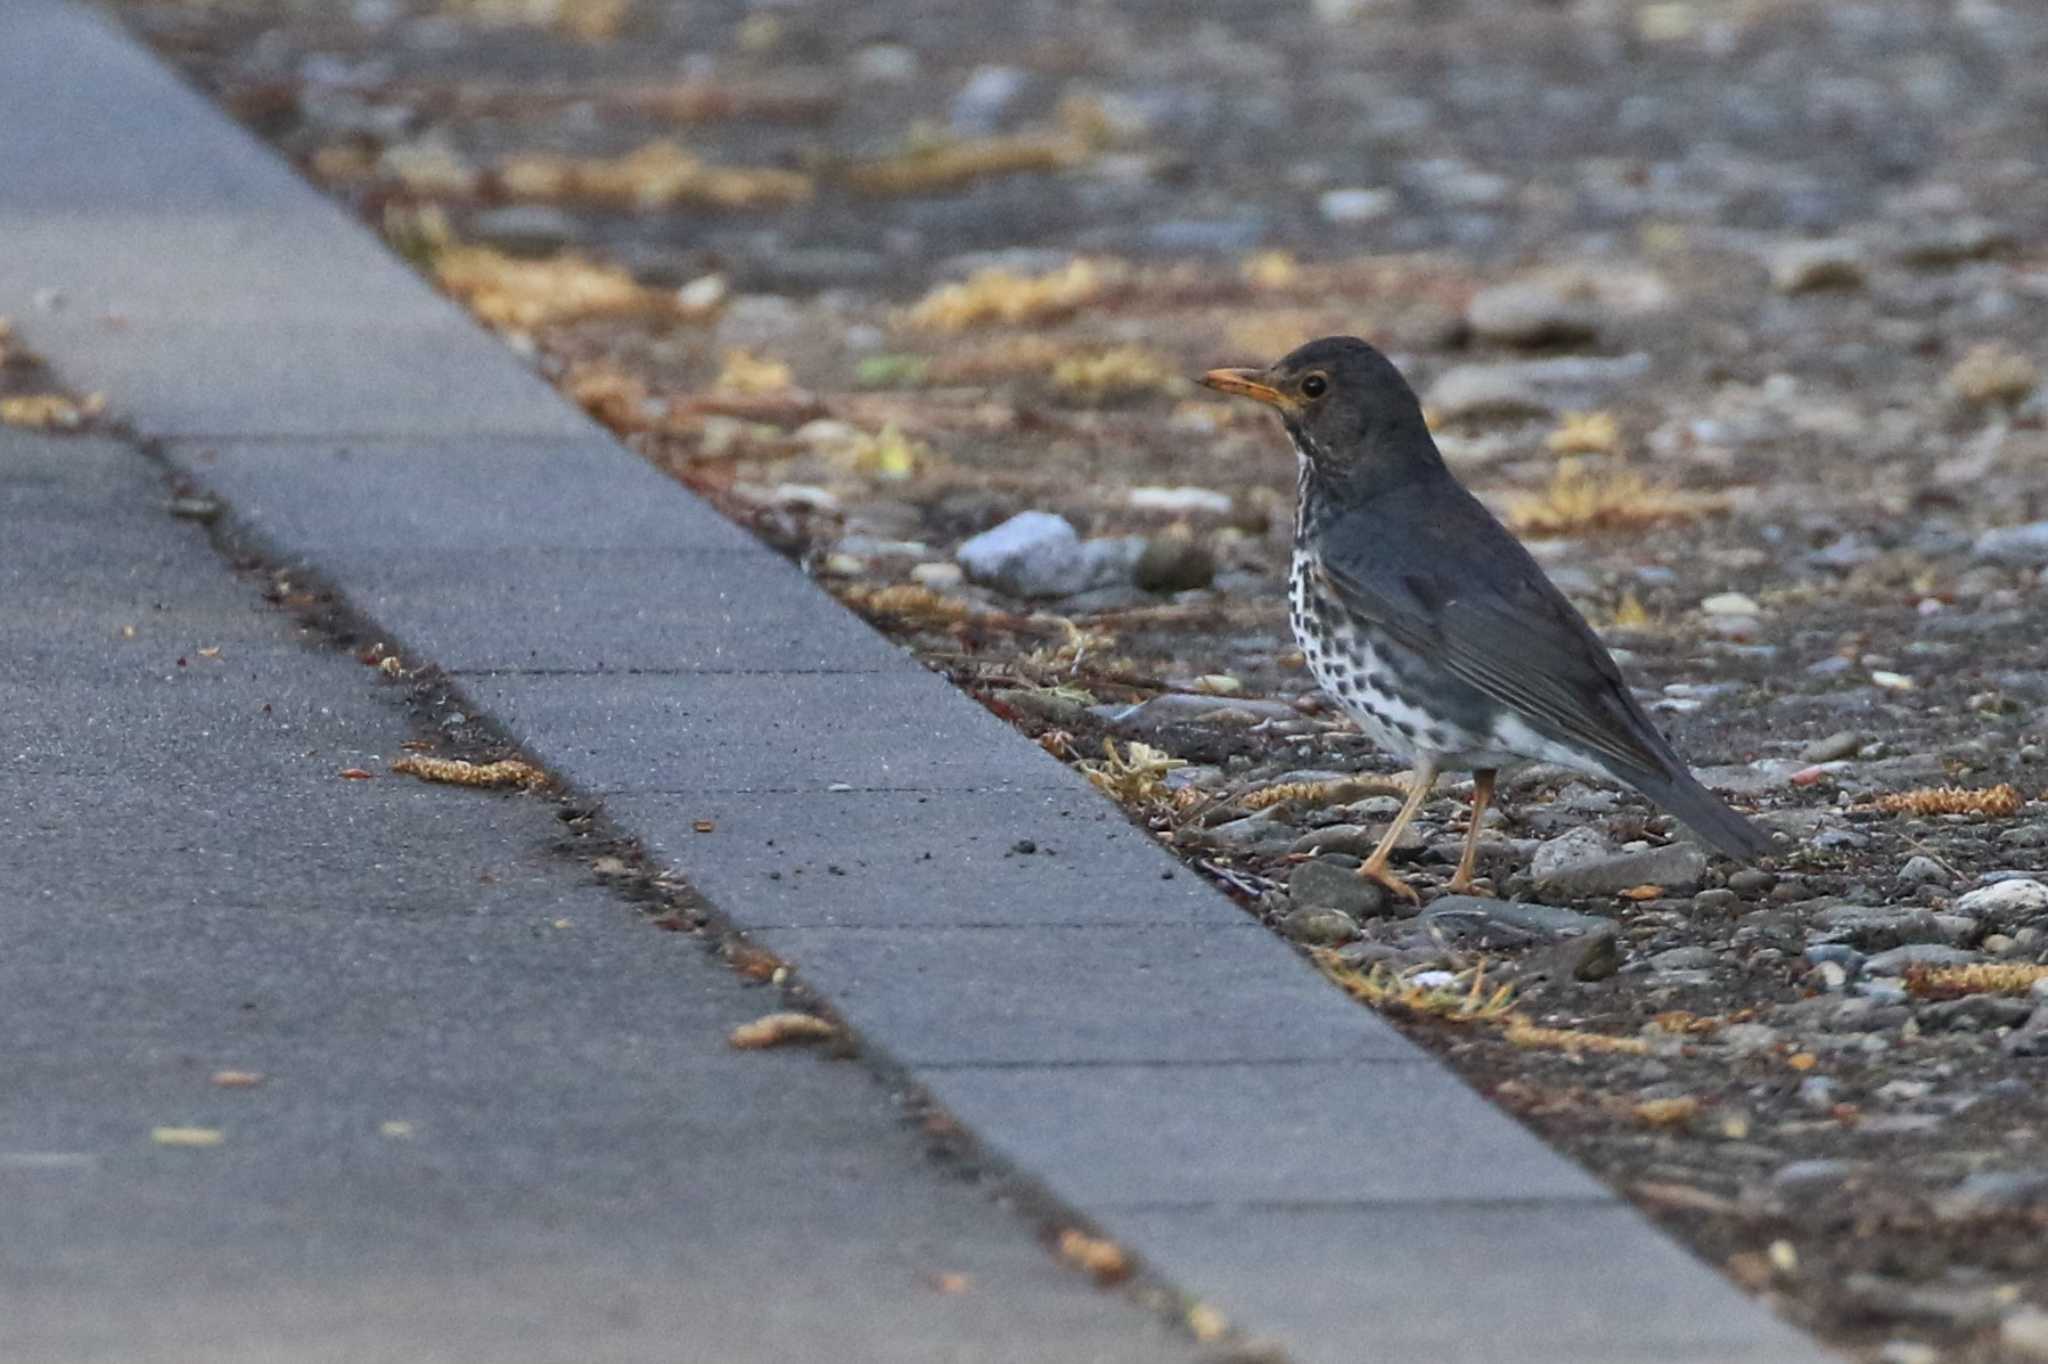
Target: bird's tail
column 1705, row 813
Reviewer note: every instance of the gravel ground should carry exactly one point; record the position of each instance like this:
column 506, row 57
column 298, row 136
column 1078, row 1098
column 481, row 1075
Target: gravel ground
column 1735, row 310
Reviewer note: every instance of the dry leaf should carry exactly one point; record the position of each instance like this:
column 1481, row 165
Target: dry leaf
column 187, row 1136
column 237, row 1079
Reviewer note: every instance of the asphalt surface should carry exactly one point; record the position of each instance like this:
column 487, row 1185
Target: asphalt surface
column 582, row 1168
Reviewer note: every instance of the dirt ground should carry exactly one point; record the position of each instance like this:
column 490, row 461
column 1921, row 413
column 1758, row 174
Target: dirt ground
column 1735, row 310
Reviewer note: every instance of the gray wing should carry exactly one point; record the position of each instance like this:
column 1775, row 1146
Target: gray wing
column 1454, row 586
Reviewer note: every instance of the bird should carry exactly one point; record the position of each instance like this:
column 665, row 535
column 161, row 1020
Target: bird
column 1430, row 624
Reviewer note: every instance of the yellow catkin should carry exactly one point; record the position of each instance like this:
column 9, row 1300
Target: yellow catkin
column 1996, row 802
column 460, row 772
column 1982, row 978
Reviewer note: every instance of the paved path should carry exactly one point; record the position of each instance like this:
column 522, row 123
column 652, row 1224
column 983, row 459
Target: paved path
column 1091, row 1011
column 586, row 1170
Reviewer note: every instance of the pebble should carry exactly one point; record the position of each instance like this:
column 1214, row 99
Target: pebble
column 1685, row 959
column 1752, row 883
column 2006, row 904
column 1532, row 387
column 2025, row 545
column 1319, row 927
column 1975, row 1013
column 1333, row 883
column 1907, row 1352
column 1474, row 919
column 1575, row 865
column 1262, row 832
column 1833, row 748
column 1038, row 554
column 1813, row 1176
column 1876, row 929
column 1952, row 1308
column 1174, row 563
column 979, row 108
column 1989, row 1192
column 1922, row 871
column 1534, row 312
column 525, row 229
column 1800, row 267
column 1899, row 960
column 1585, row 957
column 2031, row 1037
column 2025, row 1333
column 1356, row 205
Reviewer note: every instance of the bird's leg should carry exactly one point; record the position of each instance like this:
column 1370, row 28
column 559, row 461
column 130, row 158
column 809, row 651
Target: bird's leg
column 1375, row 867
column 1482, row 794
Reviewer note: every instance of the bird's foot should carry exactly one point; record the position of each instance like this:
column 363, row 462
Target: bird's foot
column 1392, row 882
column 1462, row 884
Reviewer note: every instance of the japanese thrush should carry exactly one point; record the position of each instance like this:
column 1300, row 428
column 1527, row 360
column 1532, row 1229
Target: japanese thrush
column 1431, row 625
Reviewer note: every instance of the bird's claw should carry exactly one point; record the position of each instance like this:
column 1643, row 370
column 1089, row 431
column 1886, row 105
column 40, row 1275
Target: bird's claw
column 1391, row 882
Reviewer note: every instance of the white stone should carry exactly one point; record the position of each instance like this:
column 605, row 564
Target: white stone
column 1357, row 205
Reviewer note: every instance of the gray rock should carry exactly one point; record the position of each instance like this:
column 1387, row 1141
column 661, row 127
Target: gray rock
column 1357, row 205
column 1534, row 312
column 2006, row 905
column 1990, row 1192
column 2024, row 1334
column 1907, row 1352
column 1752, row 883
column 1975, row 1013
column 1813, row 1176
column 1472, row 920
column 2029, row 1038
column 1922, row 871
column 1334, row 883
column 1817, row 1093
column 979, row 108
column 1876, row 929
column 1585, row 957
column 1833, row 747
column 1174, row 563
column 1685, row 959
column 1798, row 267
column 1319, row 927
column 1532, row 387
column 1952, row 1308
column 1899, row 960
column 1570, row 866
column 1570, row 850
column 1038, row 554
column 525, row 229
column 1955, row 241
column 2026, row 546
column 1260, row 833
column 1356, row 840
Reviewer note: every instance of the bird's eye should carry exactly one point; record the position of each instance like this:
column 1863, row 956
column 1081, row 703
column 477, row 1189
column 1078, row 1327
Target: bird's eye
column 1315, row 386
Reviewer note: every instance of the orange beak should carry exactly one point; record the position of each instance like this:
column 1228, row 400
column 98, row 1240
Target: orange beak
column 1245, row 383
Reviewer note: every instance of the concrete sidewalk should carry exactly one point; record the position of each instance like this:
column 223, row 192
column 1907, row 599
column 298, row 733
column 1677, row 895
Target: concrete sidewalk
column 1123, row 1034
column 499, row 1118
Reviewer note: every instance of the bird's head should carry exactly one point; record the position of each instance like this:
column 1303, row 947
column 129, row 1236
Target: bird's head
column 1348, row 410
